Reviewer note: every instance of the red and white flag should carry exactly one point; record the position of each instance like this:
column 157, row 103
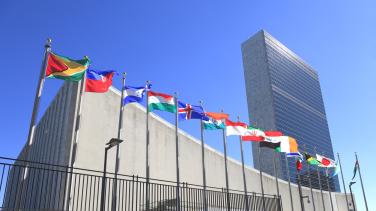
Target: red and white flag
column 235, row 128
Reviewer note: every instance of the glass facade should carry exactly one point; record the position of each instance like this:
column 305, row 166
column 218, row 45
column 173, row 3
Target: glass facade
column 297, row 105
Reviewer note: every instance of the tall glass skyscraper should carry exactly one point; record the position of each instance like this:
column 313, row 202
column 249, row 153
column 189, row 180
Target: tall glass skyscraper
column 283, row 93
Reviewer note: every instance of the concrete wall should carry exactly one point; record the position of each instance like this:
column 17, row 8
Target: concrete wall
column 99, row 123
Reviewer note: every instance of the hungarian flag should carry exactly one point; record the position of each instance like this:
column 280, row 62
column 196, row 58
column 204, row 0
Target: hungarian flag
column 215, row 121
column 253, row 134
column 64, row 68
column 188, row 111
column 235, row 128
column 325, row 162
column 98, row 81
column 160, row 101
column 311, row 160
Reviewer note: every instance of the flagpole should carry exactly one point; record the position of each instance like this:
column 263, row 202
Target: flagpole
column 300, row 189
column 352, row 197
column 343, row 182
column 120, row 127
column 177, row 153
column 147, row 148
column 38, row 95
column 310, row 182
column 244, row 178
column 289, row 181
column 361, row 182
column 329, row 190
column 226, row 171
column 76, row 133
column 203, row 162
column 319, row 177
column 261, row 182
column 276, row 179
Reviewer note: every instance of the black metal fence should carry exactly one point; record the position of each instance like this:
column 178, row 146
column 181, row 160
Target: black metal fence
column 37, row 186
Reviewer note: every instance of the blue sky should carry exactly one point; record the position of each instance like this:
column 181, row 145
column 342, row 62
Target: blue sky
column 193, row 47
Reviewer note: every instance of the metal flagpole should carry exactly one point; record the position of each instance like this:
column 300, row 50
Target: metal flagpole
column 203, row 163
column 322, row 194
column 38, row 95
column 352, row 197
column 147, row 149
column 76, row 133
column 329, row 191
column 289, row 181
column 226, row 171
column 177, row 153
column 244, row 179
column 361, row 182
column 276, row 179
column 300, row 190
column 343, row 182
column 310, row 182
column 120, row 127
column 262, row 183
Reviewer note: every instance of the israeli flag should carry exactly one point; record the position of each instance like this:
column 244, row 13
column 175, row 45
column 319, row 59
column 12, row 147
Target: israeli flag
column 134, row 94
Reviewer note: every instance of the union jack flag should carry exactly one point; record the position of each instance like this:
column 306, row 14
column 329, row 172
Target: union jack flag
column 188, row 111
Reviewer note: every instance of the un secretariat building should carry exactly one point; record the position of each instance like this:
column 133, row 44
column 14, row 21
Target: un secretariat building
column 284, row 94
column 76, row 181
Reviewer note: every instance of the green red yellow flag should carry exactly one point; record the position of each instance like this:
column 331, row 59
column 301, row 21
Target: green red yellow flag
column 64, row 68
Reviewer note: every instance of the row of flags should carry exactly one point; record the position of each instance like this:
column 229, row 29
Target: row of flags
column 99, row 81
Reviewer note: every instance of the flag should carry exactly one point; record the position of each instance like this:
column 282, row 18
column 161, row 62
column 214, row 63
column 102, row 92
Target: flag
column 217, row 116
column 134, row 94
column 336, row 170
column 188, row 111
column 253, row 134
column 235, row 128
column 215, row 121
column 272, row 145
column 311, row 160
column 98, row 81
column 289, row 146
column 273, row 133
column 325, row 162
column 160, row 101
column 299, row 165
column 64, row 68
column 213, row 124
column 355, row 169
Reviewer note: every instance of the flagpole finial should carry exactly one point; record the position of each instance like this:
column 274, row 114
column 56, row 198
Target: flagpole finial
column 124, row 75
column 222, row 110
column 176, row 94
column 201, row 102
column 147, row 82
column 238, row 118
column 48, row 43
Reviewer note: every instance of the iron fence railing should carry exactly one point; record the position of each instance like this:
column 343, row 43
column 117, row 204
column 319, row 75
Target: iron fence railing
column 31, row 186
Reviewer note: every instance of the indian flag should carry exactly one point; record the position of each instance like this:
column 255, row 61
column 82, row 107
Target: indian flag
column 213, row 124
column 64, row 68
column 160, row 101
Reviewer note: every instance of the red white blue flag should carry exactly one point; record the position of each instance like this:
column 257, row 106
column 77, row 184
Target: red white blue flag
column 188, row 111
column 98, row 81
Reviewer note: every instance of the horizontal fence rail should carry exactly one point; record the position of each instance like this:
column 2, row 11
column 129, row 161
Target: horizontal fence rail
column 37, row 186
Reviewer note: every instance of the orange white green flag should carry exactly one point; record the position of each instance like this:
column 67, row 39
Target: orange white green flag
column 64, row 68
column 215, row 121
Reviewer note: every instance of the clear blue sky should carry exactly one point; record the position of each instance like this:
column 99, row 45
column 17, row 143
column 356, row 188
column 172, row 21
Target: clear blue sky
column 193, row 47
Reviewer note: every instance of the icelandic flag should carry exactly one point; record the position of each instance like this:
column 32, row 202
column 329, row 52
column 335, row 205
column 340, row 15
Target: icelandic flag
column 188, row 111
column 133, row 94
column 98, row 80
